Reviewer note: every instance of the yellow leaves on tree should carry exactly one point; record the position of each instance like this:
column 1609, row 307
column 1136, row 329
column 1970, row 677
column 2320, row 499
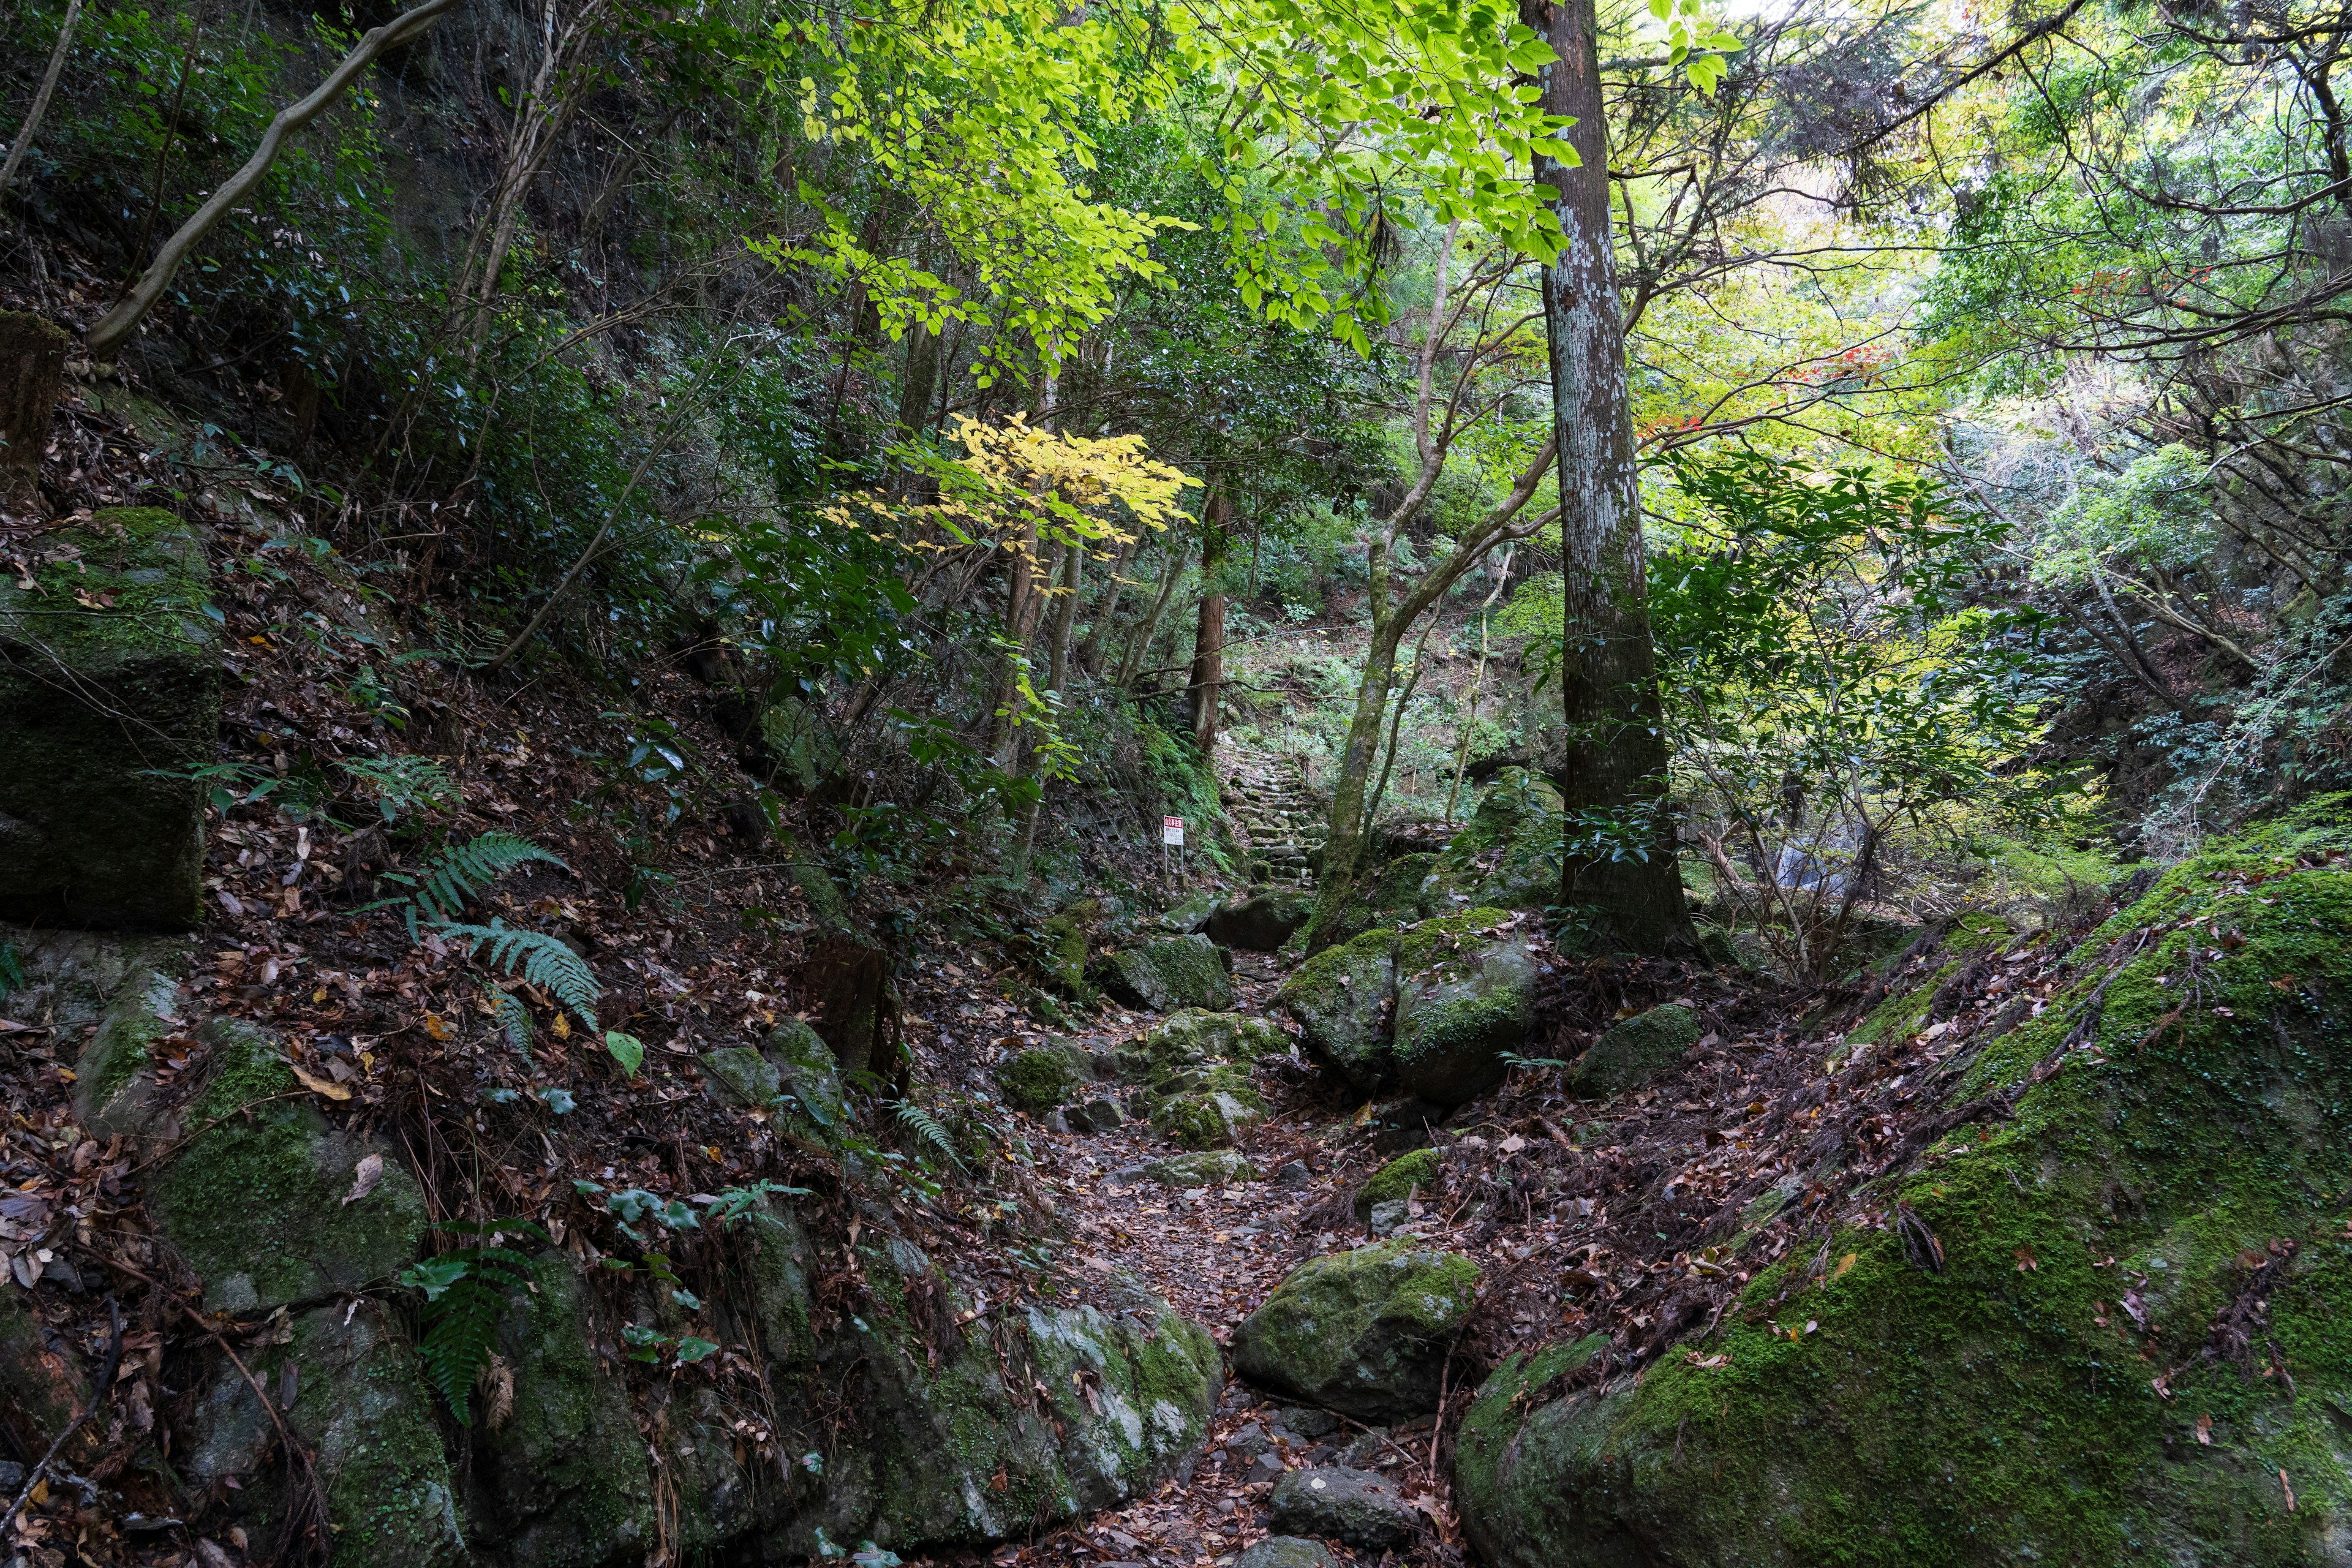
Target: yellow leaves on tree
column 1017, row 487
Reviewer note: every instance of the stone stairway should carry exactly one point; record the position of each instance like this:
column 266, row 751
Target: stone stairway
column 1281, row 820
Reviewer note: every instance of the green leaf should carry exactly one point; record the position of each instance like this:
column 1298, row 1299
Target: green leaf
column 627, row 1049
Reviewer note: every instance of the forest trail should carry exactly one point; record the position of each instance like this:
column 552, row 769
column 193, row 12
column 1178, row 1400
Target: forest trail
column 1267, row 798
column 1215, row 1249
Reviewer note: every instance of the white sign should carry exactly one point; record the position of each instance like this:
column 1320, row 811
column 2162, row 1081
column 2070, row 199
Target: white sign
column 1171, row 830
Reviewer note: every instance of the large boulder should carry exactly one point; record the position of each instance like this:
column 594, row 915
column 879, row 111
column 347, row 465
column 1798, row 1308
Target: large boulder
column 1362, row 1332
column 110, row 698
column 1363, row 1507
column 260, row 1200
column 1466, row 994
column 1632, row 1052
column 1162, row 976
column 1427, row 1010
column 1262, row 921
column 1507, row 854
column 2126, row 1341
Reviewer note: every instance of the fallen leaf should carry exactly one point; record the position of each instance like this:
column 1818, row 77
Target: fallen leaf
column 364, row 1177
column 325, row 1085
column 435, row 1027
column 1843, row 1265
column 2287, row 1488
column 2026, row 1262
column 2205, row 1431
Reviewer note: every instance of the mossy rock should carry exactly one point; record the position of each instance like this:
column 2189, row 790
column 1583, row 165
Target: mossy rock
column 1466, row 994
column 2048, row 1395
column 565, row 1482
column 1196, row 1036
column 1262, row 921
column 1212, row 1167
column 1509, row 854
column 1166, row 975
column 255, row 1200
column 42, row 1387
column 1211, row 1116
column 1341, row 1000
column 1399, row 1179
column 110, row 687
column 1064, row 947
column 807, row 1075
column 1362, row 1332
column 1427, row 1010
column 1039, row 1079
column 1193, row 914
column 115, row 1088
column 1633, row 1051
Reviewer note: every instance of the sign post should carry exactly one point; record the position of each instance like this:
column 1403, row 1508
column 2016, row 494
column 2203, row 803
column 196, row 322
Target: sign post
column 1171, row 833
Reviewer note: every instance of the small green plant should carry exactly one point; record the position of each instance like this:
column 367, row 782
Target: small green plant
column 465, row 1296
column 405, row 783
column 927, row 1128
column 539, row 958
column 444, row 884
column 514, row 1018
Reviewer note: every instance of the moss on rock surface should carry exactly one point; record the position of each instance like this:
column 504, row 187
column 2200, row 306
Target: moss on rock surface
column 1509, row 854
column 1038, row 1078
column 1401, row 1177
column 1163, row 977
column 1631, row 1053
column 2149, row 1253
column 110, row 686
column 1426, row 1010
column 1363, row 1332
column 254, row 1201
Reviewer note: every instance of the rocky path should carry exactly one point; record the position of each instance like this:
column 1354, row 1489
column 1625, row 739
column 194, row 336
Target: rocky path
column 1216, row 1248
column 1266, row 795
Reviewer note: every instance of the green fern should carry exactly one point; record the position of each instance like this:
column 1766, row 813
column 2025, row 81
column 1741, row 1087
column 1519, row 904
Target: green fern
column 539, row 958
column 444, row 884
column 465, row 1296
column 514, row 1018
column 927, row 1129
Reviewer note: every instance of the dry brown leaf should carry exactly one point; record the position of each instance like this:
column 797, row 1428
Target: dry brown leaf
column 364, row 1176
column 325, row 1085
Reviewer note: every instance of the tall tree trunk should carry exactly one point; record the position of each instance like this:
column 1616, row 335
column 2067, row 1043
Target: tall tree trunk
column 1344, row 838
column 1175, row 553
column 1057, row 670
column 1616, row 767
column 1209, row 638
column 1091, row 651
column 922, row 374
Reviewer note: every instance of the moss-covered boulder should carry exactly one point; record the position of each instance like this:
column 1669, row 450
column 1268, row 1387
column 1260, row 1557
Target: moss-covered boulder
column 1399, row 1179
column 364, row 1413
column 1192, row 913
column 1162, row 976
column 1039, row 1079
column 115, row 1088
column 2136, row 1345
column 563, row 1481
column 808, row 1078
column 255, row 1200
column 1509, row 854
column 1362, row 1332
column 1633, row 1051
column 109, row 695
column 1196, row 1035
column 1062, row 947
column 1342, row 1000
column 1466, row 994
column 1219, row 1111
column 1262, row 921
column 1427, row 1010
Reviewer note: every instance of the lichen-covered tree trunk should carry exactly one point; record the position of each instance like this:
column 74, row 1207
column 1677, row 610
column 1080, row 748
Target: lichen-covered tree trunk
column 1343, row 845
column 1616, row 766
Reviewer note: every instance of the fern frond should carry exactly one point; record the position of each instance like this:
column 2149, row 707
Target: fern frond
column 539, row 958
column 465, row 1296
column 927, row 1128
column 514, row 1018
column 443, row 885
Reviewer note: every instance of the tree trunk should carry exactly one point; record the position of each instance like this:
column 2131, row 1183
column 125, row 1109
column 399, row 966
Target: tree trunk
column 922, row 374
column 1091, row 651
column 1176, row 553
column 1209, row 639
column 1616, row 767
column 1344, row 845
column 1057, row 670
